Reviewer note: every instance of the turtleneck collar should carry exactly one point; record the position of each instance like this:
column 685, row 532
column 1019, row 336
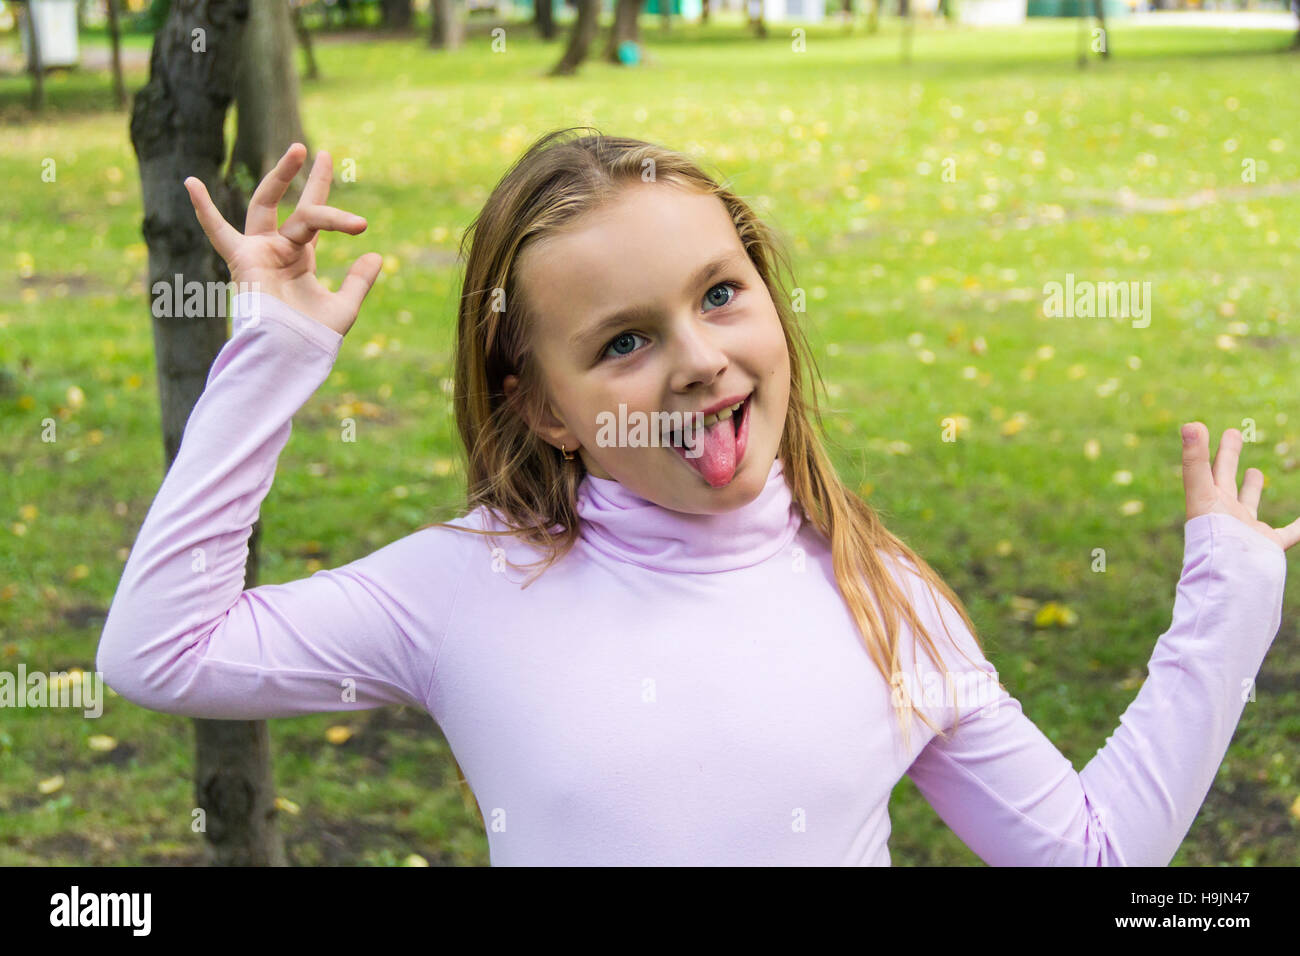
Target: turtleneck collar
column 629, row 528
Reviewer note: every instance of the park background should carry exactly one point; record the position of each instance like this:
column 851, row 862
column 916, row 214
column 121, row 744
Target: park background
column 925, row 304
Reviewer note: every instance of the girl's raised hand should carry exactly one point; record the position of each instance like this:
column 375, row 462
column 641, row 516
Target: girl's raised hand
column 1215, row 489
column 283, row 261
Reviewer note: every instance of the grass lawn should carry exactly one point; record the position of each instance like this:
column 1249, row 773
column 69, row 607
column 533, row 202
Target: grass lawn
column 926, row 206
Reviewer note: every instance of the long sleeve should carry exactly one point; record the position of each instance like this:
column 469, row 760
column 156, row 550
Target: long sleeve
column 183, row 637
column 1015, row 800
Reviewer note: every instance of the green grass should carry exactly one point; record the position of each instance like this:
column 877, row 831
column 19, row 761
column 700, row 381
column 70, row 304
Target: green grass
column 906, row 276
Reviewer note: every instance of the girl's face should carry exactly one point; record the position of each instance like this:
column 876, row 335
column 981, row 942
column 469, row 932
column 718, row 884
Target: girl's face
column 650, row 302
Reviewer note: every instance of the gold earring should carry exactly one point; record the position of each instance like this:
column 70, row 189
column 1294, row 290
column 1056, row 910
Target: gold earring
column 568, row 455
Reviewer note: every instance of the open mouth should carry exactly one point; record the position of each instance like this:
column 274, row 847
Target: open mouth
column 715, row 452
column 674, row 436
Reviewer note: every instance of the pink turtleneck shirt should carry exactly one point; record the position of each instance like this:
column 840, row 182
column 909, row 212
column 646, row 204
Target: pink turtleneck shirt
column 680, row 689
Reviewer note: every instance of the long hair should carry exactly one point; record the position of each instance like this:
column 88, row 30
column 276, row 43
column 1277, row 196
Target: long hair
column 526, row 483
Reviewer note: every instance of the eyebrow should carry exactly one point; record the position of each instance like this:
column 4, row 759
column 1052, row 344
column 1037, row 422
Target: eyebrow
column 634, row 314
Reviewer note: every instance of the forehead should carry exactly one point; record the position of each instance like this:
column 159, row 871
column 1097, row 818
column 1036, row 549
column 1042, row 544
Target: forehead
column 637, row 249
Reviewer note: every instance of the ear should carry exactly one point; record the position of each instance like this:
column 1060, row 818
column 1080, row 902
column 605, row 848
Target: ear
column 550, row 428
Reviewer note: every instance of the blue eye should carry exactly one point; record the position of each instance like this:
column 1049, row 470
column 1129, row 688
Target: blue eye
column 619, row 338
column 733, row 286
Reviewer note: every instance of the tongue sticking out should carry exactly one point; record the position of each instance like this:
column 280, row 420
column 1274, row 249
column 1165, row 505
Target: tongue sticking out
column 717, row 446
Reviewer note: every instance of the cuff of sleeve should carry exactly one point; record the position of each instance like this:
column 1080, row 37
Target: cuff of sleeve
column 249, row 308
column 1218, row 525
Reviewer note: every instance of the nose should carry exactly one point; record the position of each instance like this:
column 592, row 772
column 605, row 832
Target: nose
column 697, row 358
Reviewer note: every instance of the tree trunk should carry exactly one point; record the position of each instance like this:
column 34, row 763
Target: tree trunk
column 544, row 18
column 119, row 85
column 1099, row 6
column 34, row 62
column 397, row 14
column 177, row 130
column 905, row 11
column 756, row 18
column 584, row 30
column 266, row 85
column 665, row 13
column 304, row 41
column 448, row 29
column 704, row 11
column 625, row 28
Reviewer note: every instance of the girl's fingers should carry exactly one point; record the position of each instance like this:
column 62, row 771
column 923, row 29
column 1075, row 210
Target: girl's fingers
column 317, row 189
column 261, row 208
column 223, row 236
column 305, row 221
column 1225, row 462
column 357, row 283
column 1290, row 534
column 1198, row 480
column 1251, row 486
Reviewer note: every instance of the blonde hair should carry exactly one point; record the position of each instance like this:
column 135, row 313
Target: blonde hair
column 523, row 479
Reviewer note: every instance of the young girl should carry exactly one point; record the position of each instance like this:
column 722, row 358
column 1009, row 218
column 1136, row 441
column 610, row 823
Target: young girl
column 716, row 660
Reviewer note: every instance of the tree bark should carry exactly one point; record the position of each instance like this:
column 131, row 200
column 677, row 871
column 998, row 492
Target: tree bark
column 34, row 62
column 304, row 41
column 544, row 18
column 114, row 33
column 448, row 29
column 266, row 94
column 625, row 28
column 580, row 37
column 704, row 11
column 1099, row 7
column 177, row 130
column 397, row 14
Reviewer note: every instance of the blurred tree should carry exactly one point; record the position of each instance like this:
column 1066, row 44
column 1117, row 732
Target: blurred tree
column 447, row 26
column 304, row 39
column 266, row 94
column 584, row 30
column 115, row 37
column 544, row 18
column 396, row 14
column 177, row 130
column 625, row 29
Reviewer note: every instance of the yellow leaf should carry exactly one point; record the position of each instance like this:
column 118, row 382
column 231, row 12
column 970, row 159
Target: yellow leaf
column 1053, row 614
column 1295, row 808
column 338, row 734
column 101, row 742
column 415, row 860
column 51, row 784
column 287, row 805
column 28, row 512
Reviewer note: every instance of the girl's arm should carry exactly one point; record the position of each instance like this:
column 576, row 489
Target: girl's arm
column 183, row 637
column 1015, row 800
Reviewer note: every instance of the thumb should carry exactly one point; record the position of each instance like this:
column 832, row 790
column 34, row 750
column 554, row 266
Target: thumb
column 1198, row 479
column 359, row 280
